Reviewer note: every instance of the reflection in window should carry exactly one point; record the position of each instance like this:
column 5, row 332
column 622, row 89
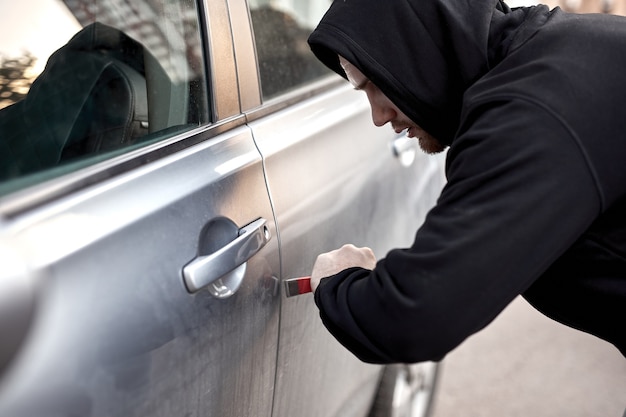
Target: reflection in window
column 130, row 74
column 281, row 29
column 16, row 77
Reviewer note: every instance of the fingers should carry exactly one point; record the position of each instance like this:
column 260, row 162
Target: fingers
column 333, row 262
column 363, row 257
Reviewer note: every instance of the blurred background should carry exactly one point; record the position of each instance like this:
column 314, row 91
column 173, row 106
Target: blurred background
column 580, row 6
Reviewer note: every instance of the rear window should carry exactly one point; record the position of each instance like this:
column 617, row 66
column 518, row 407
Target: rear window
column 281, row 29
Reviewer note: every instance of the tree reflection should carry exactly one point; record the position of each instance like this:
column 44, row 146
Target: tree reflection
column 16, row 77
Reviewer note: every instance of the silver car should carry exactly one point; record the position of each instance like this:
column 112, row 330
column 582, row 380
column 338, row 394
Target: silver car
column 165, row 167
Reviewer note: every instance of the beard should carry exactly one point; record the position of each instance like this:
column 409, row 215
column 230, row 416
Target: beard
column 430, row 145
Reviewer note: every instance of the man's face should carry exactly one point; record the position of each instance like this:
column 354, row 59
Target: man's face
column 384, row 111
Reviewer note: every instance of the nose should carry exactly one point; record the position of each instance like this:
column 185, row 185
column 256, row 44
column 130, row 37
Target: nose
column 382, row 113
column 381, row 116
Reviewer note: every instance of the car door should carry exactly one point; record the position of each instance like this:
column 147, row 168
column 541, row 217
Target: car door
column 334, row 179
column 139, row 251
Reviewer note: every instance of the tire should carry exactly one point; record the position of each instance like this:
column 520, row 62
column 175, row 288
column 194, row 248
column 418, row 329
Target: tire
column 406, row 390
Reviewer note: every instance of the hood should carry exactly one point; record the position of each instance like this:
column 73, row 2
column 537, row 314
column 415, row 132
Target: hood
column 423, row 54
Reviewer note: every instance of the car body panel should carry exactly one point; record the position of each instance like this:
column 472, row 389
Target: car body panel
column 115, row 329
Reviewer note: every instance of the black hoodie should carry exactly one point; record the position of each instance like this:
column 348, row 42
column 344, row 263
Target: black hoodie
column 531, row 102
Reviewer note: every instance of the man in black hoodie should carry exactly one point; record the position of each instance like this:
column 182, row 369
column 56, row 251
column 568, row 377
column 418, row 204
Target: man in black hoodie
column 529, row 102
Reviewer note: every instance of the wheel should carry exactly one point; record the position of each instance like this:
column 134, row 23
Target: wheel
column 406, row 390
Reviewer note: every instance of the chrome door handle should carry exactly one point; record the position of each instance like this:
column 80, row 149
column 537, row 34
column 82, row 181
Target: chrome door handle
column 207, row 269
column 404, row 149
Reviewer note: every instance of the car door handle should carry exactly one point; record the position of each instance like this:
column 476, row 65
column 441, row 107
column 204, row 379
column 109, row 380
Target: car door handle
column 205, row 270
column 404, row 149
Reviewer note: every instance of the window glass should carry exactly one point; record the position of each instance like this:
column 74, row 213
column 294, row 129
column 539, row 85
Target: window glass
column 281, row 29
column 84, row 80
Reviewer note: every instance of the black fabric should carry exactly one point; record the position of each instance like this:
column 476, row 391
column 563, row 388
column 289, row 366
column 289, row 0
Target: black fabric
column 90, row 98
column 530, row 101
column 588, row 281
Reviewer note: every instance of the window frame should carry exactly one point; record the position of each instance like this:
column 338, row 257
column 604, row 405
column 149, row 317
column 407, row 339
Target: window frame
column 250, row 93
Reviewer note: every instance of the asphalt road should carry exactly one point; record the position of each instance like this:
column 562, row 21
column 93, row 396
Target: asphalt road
column 526, row 365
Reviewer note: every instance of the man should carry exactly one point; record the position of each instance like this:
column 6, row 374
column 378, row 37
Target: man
column 530, row 103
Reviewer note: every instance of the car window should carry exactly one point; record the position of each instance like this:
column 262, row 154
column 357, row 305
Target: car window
column 281, row 29
column 84, row 80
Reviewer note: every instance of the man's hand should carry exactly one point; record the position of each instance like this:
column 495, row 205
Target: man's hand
column 347, row 256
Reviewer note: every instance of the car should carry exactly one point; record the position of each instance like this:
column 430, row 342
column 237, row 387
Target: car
column 165, row 168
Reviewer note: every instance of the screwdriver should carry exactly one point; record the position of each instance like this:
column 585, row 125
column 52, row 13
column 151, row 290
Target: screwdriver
column 297, row 286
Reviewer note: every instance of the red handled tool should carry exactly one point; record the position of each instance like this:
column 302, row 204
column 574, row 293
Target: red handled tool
column 297, row 286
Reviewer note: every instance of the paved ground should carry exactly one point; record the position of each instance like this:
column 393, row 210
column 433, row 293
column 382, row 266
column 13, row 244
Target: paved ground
column 526, row 365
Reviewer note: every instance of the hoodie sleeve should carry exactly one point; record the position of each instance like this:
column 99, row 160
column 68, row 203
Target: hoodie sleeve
column 518, row 195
